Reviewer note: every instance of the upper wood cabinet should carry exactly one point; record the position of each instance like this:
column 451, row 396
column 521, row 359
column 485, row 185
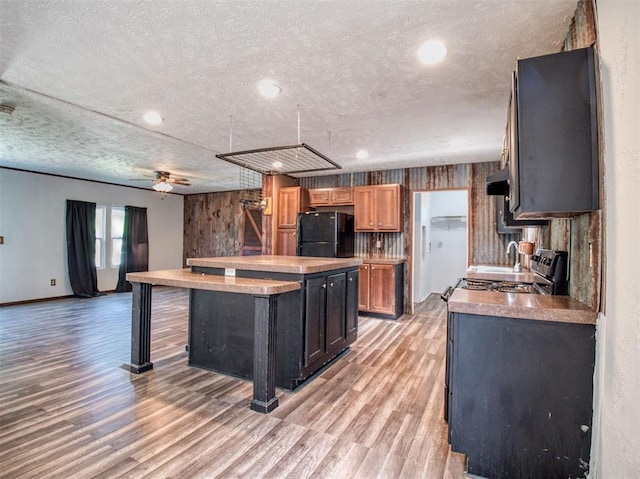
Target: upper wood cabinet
column 378, row 208
column 291, row 201
column 331, row 196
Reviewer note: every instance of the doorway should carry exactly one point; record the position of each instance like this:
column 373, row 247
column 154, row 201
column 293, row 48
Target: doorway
column 440, row 240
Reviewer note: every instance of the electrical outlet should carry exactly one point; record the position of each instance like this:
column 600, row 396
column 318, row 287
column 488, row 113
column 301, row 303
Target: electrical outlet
column 378, row 245
column 53, row 282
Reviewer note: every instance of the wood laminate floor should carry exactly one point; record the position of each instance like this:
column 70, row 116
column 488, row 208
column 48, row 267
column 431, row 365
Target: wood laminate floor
column 68, row 410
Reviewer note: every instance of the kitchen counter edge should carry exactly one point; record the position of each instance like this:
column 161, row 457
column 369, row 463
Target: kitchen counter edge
column 563, row 309
column 276, row 263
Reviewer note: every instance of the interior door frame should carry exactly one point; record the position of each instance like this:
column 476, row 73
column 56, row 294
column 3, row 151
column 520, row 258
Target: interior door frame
column 413, row 234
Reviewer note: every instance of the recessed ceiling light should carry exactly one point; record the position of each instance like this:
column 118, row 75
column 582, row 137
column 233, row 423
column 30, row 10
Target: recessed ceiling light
column 277, row 164
column 153, row 118
column 362, row 155
column 432, row 52
column 269, row 89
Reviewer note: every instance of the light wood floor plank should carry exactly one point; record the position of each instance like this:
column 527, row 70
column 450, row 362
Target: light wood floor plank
column 68, row 409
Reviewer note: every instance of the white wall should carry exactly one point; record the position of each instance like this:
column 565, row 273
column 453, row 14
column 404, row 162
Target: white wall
column 421, row 273
column 448, row 238
column 616, row 434
column 32, row 221
column 446, row 241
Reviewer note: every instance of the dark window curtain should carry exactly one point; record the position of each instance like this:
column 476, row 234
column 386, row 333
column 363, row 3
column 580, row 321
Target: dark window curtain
column 81, row 248
column 135, row 246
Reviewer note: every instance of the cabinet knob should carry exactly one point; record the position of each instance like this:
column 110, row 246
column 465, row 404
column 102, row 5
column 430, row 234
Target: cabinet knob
column 331, row 285
column 324, row 286
column 350, row 279
column 379, row 224
column 370, row 224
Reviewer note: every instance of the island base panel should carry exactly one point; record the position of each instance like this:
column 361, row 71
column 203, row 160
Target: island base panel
column 137, row 368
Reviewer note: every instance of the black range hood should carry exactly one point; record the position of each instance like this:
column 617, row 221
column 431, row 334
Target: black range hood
column 498, row 183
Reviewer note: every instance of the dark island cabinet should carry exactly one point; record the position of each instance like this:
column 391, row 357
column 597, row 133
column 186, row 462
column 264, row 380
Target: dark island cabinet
column 331, row 315
column 314, row 337
column 352, row 305
column 520, row 395
column 314, row 325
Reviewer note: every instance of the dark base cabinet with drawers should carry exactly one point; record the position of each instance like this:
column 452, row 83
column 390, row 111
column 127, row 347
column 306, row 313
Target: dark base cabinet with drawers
column 520, row 395
column 314, row 325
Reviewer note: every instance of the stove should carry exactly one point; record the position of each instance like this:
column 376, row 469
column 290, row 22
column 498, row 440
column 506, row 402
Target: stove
column 550, row 277
column 552, row 271
column 499, row 286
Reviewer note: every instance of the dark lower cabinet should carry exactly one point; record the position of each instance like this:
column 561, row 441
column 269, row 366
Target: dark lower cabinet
column 336, row 312
column 331, row 315
column 520, row 396
column 351, row 313
column 314, row 334
column 313, row 325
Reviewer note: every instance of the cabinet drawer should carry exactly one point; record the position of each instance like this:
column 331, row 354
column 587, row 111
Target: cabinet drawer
column 331, row 196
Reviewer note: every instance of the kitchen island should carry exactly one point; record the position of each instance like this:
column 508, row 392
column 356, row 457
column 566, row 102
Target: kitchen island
column 519, row 383
column 305, row 308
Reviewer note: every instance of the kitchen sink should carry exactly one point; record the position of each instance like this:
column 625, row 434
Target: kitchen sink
column 491, row 269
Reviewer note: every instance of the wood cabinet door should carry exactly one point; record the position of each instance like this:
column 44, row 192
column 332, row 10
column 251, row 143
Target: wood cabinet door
column 364, row 208
column 287, row 242
column 288, row 207
column 319, row 196
column 341, row 196
column 381, row 291
column 387, row 204
column 363, row 288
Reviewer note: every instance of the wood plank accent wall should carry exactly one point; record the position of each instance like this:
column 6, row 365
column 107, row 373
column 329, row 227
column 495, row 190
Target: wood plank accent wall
column 213, row 220
column 485, row 245
column 212, row 224
column 582, row 236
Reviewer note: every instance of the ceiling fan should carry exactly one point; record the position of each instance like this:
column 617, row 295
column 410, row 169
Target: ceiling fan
column 163, row 182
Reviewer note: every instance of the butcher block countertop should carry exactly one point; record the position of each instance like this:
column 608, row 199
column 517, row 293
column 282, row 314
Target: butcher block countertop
column 276, row 264
column 184, row 278
column 562, row 309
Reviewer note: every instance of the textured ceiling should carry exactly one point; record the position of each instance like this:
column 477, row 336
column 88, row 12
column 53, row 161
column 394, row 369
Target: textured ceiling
column 80, row 74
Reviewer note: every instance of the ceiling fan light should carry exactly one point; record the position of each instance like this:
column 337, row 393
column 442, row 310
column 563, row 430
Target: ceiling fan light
column 163, row 186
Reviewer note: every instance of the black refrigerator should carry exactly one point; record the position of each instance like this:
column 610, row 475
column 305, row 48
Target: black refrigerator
column 328, row 234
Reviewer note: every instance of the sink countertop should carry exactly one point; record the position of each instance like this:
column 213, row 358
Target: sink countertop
column 524, row 276
column 276, row 263
column 521, row 305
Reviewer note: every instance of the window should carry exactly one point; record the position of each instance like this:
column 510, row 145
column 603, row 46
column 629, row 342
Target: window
column 117, row 229
column 101, row 223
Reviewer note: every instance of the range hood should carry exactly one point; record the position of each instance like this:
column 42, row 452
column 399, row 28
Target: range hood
column 498, row 183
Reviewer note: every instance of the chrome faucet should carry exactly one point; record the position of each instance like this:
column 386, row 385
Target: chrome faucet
column 516, row 266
